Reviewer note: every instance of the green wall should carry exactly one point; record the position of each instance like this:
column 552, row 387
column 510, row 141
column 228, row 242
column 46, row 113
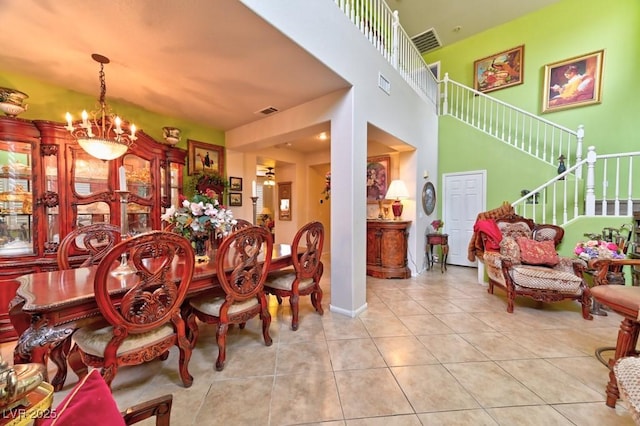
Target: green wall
column 49, row 102
column 561, row 31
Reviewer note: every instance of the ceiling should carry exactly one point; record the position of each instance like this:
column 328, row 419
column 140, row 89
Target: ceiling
column 211, row 62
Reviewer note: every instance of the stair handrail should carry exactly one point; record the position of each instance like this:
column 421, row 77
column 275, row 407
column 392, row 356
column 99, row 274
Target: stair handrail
column 484, row 112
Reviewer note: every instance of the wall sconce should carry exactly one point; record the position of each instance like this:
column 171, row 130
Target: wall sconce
column 397, row 190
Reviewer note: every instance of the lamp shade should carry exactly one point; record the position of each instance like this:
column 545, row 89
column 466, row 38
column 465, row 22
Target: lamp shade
column 267, row 211
column 397, row 190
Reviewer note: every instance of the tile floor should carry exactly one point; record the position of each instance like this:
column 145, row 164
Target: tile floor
column 436, row 349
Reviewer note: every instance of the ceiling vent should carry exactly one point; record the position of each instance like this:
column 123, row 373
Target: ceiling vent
column 427, row 41
column 267, row 111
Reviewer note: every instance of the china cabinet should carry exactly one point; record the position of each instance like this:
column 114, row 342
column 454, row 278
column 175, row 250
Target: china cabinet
column 49, row 186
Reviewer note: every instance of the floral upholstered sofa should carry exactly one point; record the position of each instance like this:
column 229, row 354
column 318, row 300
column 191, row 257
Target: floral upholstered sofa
column 521, row 258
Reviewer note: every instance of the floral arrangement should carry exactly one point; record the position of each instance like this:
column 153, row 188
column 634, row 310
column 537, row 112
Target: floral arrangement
column 597, row 249
column 327, row 186
column 203, row 214
column 437, row 225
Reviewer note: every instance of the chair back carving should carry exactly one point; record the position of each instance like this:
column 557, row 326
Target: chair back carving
column 240, row 224
column 310, row 238
column 546, row 231
column 154, row 293
column 93, row 241
column 244, row 269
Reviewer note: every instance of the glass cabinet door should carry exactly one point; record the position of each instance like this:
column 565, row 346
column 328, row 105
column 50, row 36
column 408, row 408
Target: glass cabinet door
column 90, row 178
column 16, row 199
column 139, row 185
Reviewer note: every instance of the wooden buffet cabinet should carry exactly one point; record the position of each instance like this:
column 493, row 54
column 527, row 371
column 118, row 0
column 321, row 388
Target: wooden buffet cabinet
column 49, row 186
column 387, row 248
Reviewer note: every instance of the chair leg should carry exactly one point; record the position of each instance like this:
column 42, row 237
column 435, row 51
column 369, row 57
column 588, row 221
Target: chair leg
column 221, row 337
column 191, row 331
column 75, row 362
column 183, row 363
column 58, row 355
column 108, row 372
column 316, row 300
column 585, row 300
column 511, row 295
column 265, row 316
column 625, row 346
column 293, row 301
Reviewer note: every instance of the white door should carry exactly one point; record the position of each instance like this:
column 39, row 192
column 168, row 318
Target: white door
column 464, row 197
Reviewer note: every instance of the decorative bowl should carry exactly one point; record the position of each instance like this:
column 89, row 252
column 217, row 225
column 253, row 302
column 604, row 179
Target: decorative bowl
column 12, row 110
column 171, row 135
column 12, row 96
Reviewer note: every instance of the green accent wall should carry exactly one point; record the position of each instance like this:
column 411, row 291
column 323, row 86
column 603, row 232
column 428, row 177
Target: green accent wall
column 49, row 102
column 561, row 31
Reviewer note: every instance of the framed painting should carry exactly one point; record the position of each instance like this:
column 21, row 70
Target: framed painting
column 499, row 71
column 204, row 158
column 235, row 183
column 284, row 200
column 573, row 82
column 377, row 178
column 235, row 199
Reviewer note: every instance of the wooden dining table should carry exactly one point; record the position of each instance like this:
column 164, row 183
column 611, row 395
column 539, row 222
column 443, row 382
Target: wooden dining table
column 50, row 306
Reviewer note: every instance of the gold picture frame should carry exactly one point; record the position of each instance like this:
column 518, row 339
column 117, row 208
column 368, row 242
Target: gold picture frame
column 377, row 178
column 499, row 71
column 204, row 158
column 573, row 82
column 284, row 200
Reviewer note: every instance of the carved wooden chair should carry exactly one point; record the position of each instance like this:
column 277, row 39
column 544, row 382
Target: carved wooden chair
column 304, row 278
column 144, row 321
column 92, row 242
column 241, row 273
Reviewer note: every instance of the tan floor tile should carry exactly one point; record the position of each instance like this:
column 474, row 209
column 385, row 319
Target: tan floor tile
column 303, row 356
column 433, row 388
column 496, row 346
column 595, row 414
column 491, row 386
column 304, row 398
column 451, row 348
column 461, row 417
column 384, row 326
column 463, row 322
column 553, row 385
column 425, row 324
column 401, row 420
column 338, row 326
column 370, row 393
column 354, row 354
column 402, row 351
column 528, row 416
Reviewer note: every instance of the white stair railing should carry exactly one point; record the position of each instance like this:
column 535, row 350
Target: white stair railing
column 527, row 132
column 610, row 178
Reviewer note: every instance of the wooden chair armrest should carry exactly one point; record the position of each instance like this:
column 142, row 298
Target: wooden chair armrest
column 160, row 408
column 602, row 266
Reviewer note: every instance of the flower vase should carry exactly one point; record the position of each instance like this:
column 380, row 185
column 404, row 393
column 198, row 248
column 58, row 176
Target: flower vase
column 199, row 243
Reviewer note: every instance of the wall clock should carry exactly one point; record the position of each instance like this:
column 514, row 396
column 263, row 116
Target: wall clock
column 428, row 198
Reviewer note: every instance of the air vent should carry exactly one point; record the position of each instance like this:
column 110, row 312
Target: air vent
column 426, row 41
column 268, row 110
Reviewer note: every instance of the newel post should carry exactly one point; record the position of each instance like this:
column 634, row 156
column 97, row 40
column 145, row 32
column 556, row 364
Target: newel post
column 445, row 101
column 590, row 196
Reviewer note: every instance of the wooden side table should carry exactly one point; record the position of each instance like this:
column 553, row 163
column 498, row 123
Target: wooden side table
column 441, row 240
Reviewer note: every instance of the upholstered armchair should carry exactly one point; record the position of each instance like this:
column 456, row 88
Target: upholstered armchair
column 521, row 258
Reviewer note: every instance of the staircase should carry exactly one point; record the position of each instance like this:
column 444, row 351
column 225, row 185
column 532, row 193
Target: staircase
column 592, row 185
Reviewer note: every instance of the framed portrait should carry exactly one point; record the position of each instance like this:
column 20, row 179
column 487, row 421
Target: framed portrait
column 204, row 158
column 284, row 200
column 235, row 199
column 377, row 178
column 499, row 71
column 573, row 82
column 235, row 183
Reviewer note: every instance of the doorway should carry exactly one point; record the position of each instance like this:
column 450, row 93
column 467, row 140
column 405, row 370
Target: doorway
column 464, row 197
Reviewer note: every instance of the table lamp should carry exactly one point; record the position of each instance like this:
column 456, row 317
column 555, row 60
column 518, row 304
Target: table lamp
column 397, row 190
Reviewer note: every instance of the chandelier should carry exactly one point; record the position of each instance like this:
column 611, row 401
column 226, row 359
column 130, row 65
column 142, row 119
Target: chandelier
column 270, row 175
column 111, row 141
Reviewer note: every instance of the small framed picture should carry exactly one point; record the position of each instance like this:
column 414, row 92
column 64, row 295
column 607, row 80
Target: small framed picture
column 377, row 178
column 235, row 199
column 235, row 183
column 204, row 158
column 573, row 82
column 500, row 70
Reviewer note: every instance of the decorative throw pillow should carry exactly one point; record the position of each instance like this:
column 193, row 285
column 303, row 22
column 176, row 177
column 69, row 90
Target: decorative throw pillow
column 534, row 252
column 509, row 248
column 89, row 403
column 515, row 230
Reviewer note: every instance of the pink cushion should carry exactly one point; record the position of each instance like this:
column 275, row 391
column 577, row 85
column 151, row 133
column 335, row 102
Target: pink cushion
column 534, row 252
column 89, row 403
